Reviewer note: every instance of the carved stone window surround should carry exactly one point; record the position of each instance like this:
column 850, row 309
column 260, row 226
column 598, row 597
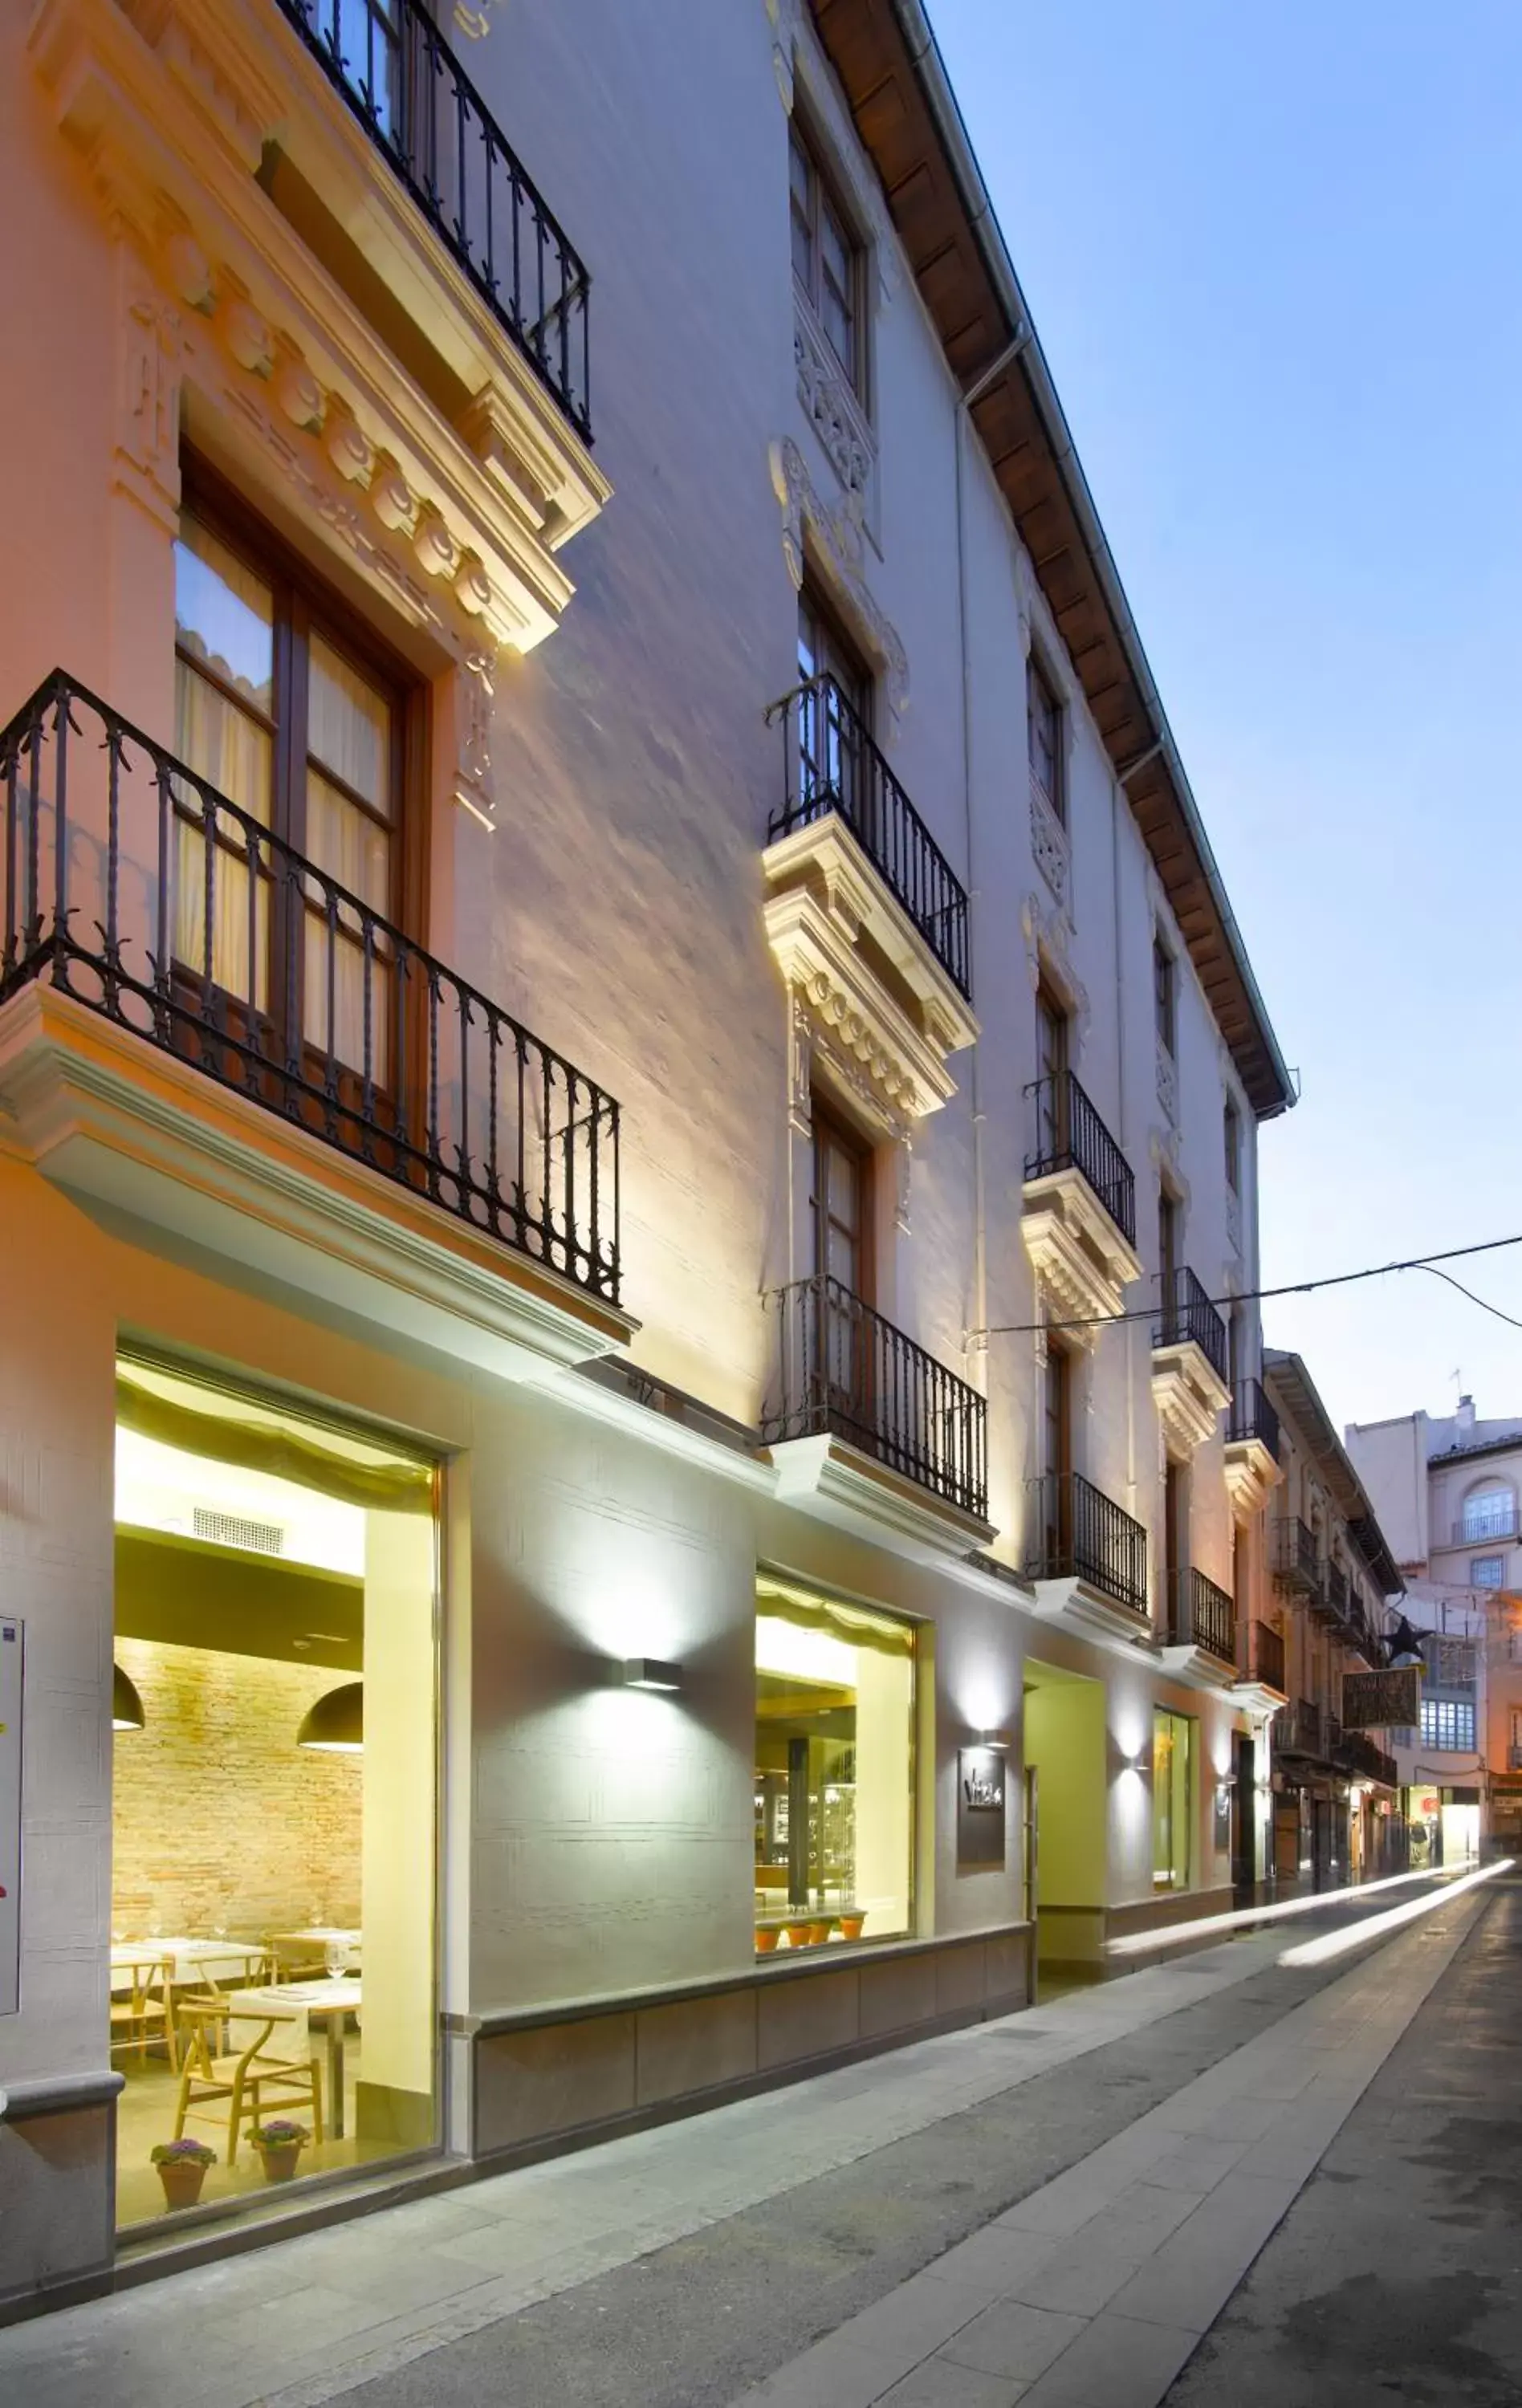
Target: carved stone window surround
column 833, row 542
column 834, row 414
column 1049, row 844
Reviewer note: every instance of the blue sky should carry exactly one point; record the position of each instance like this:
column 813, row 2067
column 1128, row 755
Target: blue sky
column 1272, row 255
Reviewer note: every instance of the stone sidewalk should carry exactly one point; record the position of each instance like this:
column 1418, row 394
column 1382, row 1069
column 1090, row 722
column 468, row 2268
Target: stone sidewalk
column 680, row 2264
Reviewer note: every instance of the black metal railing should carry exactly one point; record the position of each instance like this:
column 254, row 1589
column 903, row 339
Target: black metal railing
column 134, row 886
column 1334, row 1589
column 1074, row 1531
column 391, row 67
column 831, row 764
column 841, row 1368
column 1071, row 1136
column 1201, row 1615
column 1266, row 1656
column 1187, row 1317
column 1296, row 1565
column 1356, row 1752
column 1484, row 1519
column 1253, row 1417
column 1299, row 1730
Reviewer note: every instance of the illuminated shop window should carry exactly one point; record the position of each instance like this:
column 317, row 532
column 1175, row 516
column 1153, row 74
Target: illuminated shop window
column 273, row 1806
column 834, row 1771
column 1172, row 1795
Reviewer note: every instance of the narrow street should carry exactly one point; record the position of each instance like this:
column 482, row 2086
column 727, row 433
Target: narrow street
column 1228, row 2177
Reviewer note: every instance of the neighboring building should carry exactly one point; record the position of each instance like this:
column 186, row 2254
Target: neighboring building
column 1338, row 1815
column 1447, row 1489
column 636, row 1598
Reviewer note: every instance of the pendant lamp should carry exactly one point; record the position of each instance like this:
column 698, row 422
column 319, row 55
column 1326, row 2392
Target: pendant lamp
column 127, row 1705
column 335, row 1724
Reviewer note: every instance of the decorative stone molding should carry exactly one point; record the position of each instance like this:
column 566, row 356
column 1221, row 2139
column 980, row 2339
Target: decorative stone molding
column 833, row 925
column 1165, row 1149
column 1233, row 1220
column 1048, row 938
column 784, row 16
column 834, row 543
column 1082, row 1264
column 1049, row 843
column 227, row 317
column 838, row 1482
column 1168, row 1082
column 1252, row 1474
column 1189, row 1393
column 833, row 410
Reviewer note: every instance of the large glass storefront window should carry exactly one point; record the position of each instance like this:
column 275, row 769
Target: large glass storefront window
column 1172, row 1795
column 273, row 1871
column 834, row 1771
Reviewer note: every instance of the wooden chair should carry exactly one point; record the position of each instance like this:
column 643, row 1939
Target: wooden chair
column 212, row 1995
column 246, row 2087
column 140, row 2016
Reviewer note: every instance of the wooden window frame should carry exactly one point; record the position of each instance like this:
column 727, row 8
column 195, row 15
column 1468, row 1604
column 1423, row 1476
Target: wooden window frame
column 1041, row 686
column 830, row 1126
column 1231, row 1141
column 1165, row 993
column 824, row 193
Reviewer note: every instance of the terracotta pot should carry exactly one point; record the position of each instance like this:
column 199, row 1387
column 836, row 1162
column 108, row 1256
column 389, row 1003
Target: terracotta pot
column 766, row 1938
column 798, row 1934
column 280, row 2163
column 181, row 2179
column 851, row 1926
column 819, row 1932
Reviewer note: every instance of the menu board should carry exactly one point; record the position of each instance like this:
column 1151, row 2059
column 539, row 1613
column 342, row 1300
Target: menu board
column 10, row 1816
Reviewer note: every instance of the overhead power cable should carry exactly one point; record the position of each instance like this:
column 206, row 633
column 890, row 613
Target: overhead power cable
column 1293, row 1287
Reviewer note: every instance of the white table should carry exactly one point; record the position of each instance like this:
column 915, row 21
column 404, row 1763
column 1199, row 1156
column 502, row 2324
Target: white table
column 189, row 1960
column 316, row 1942
column 300, row 2005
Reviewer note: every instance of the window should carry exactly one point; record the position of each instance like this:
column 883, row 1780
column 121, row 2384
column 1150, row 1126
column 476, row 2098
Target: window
column 842, row 1201
column 834, row 1771
column 1043, row 736
column 826, row 258
column 1052, row 1075
column 281, row 705
column 1232, row 1130
column 1489, row 1512
column 1168, row 1246
column 1448, row 1726
column 834, row 720
column 1057, row 1459
column 1163, row 983
column 1487, row 1571
column 1172, row 1798
column 299, row 1891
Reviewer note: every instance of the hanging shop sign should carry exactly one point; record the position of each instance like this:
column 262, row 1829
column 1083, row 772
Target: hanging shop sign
column 1382, row 1700
column 980, row 1785
column 10, row 1816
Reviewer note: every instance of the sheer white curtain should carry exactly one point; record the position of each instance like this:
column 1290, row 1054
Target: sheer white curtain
column 349, row 834
column 224, row 710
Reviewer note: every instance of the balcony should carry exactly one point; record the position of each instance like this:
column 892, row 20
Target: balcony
column 1201, row 1625
column 393, row 68
column 1189, row 1385
column 1486, row 1524
column 1300, row 1730
column 1078, row 1198
column 1296, row 1565
column 1266, row 1658
column 863, row 1425
column 865, row 915
column 1357, row 1753
column 1252, row 1450
column 1335, row 1595
column 201, row 1027
column 1087, row 1555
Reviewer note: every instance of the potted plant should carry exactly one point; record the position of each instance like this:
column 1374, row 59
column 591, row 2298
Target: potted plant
column 279, row 2144
column 182, row 2166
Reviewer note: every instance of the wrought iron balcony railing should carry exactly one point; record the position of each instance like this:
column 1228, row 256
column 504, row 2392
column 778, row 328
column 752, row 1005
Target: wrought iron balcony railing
column 1486, row 1518
column 134, row 887
column 1187, row 1317
column 1266, row 1656
column 831, row 764
column 842, row 1369
column 1075, row 1532
column 1356, row 1752
column 393, row 68
column 1253, row 1417
column 1071, row 1136
column 1201, row 1615
column 1334, row 1589
column 1297, row 1565
column 1299, row 1730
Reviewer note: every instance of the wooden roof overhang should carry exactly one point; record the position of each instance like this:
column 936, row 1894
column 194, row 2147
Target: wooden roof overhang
column 884, row 57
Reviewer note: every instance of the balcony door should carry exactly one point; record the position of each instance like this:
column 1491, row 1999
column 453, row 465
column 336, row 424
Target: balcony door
column 843, row 1251
column 279, row 708
column 834, row 727
column 1052, row 1134
column 1057, row 1459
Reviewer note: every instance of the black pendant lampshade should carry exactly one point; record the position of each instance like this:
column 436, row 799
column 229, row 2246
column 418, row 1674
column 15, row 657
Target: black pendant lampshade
column 335, row 1724
column 127, row 1705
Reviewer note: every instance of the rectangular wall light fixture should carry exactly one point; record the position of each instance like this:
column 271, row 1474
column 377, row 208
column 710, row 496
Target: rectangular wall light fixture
column 648, row 1672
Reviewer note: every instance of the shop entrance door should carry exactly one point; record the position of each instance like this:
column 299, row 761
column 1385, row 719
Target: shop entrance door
column 1243, row 1818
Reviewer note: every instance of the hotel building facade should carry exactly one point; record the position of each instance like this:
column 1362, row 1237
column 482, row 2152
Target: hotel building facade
column 628, row 1094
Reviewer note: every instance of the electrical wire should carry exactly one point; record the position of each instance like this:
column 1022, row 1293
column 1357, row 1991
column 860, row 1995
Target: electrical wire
column 1294, row 1287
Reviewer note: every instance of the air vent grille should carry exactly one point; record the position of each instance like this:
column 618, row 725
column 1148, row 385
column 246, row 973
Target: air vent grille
column 236, row 1531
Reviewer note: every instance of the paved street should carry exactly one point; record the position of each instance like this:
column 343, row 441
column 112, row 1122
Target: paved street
column 1063, row 2209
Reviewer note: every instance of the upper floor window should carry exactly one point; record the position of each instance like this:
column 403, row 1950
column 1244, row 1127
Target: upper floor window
column 827, row 257
column 1489, row 1512
column 1487, row 1571
column 1043, row 730
column 1164, row 995
column 1231, row 1132
column 1448, row 1726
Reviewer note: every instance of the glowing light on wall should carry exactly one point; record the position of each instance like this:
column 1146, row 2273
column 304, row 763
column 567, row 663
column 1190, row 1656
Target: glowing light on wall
column 648, row 1672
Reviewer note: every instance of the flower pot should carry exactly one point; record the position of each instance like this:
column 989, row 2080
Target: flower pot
column 766, row 1937
column 851, row 1926
column 798, row 1934
column 819, row 1932
column 181, row 2182
column 280, row 2163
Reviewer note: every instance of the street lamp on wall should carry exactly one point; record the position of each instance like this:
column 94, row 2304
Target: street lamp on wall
column 648, row 1672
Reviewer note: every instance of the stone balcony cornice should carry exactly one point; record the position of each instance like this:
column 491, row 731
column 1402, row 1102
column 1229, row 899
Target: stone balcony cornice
column 1082, row 1262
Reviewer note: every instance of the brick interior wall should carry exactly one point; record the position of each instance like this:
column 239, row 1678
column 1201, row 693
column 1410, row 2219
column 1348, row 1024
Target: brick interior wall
column 221, row 1821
